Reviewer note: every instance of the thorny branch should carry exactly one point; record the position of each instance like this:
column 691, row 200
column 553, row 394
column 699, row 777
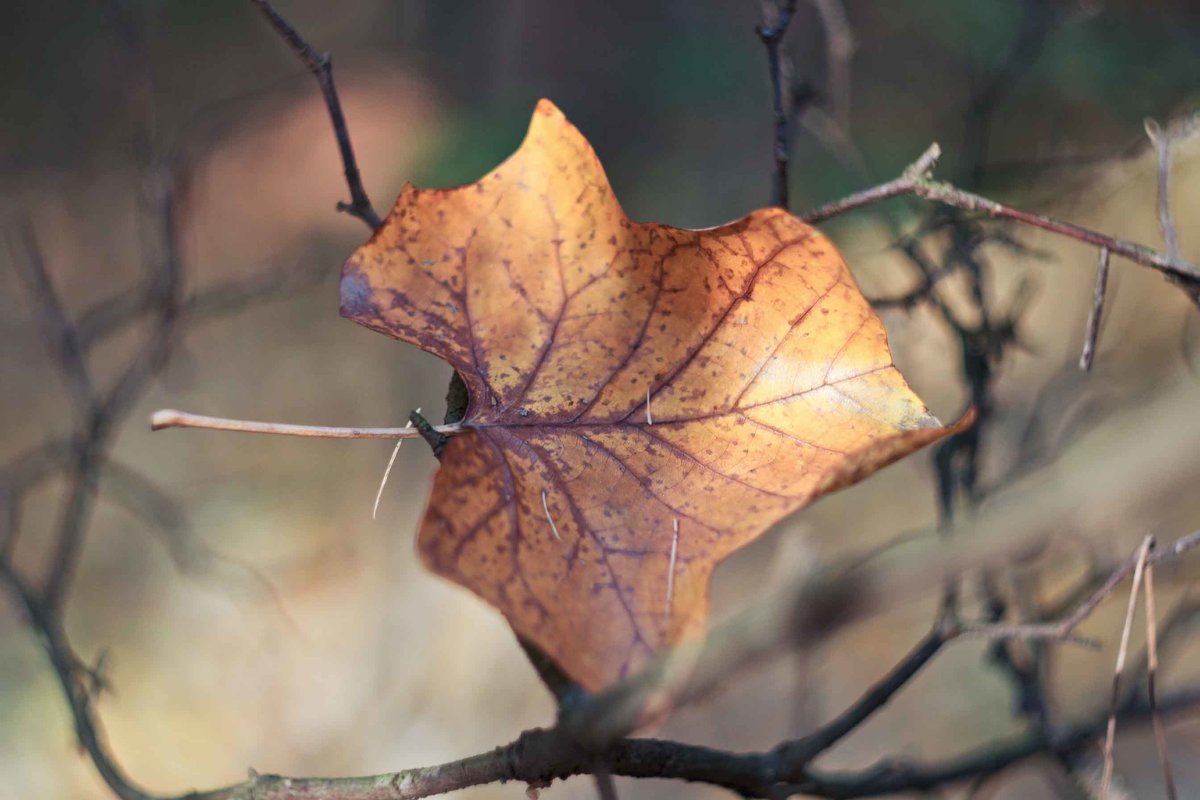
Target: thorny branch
column 590, row 738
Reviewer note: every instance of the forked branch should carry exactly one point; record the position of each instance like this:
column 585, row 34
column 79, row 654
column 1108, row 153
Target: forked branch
column 917, row 180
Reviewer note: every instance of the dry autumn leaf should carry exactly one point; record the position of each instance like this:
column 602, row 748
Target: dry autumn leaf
column 644, row 399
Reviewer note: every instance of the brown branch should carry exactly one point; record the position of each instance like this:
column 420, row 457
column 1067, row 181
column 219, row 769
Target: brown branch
column 321, row 66
column 916, row 181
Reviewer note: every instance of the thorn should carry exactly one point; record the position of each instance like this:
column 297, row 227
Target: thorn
column 649, row 419
column 388, row 471
column 546, row 508
column 671, row 566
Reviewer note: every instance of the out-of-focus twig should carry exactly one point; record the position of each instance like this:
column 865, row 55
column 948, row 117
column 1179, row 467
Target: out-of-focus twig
column 839, row 52
column 218, row 301
column 1093, row 323
column 170, row 418
column 62, row 337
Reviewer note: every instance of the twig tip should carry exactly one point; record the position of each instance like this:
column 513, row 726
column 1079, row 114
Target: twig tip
column 164, row 418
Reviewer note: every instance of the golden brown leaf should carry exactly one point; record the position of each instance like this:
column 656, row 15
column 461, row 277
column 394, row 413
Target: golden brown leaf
column 644, row 399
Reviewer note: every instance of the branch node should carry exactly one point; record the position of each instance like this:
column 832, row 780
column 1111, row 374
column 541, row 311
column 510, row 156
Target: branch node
column 434, row 438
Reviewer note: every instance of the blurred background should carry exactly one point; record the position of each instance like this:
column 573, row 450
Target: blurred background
column 263, row 618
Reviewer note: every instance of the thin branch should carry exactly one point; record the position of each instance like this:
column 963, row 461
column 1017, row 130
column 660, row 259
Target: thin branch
column 66, row 668
column 170, row 418
column 1093, row 324
column 321, row 66
column 1160, row 731
column 220, row 300
column 873, row 700
column 60, row 334
column 1062, row 629
column 1111, row 731
column 916, row 181
column 166, row 271
column 777, row 15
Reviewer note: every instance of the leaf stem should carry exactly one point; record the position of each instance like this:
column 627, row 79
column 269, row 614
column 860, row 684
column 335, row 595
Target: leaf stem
column 170, row 418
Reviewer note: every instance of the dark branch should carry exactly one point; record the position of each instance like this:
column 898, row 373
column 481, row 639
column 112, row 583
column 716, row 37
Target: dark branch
column 321, row 66
column 777, row 15
column 60, row 334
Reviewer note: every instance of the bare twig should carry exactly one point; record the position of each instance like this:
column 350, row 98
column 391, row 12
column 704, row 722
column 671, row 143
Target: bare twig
column 321, row 66
column 170, row 418
column 1163, row 141
column 777, row 15
column 163, row 262
column 1111, row 731
column 1160, row 731
column 872, row 701
column 916, row 181
column 218, row 301
column 839, row 52
column 60, row 334
column 66, row 668
column 1030, row 632
column 1062, row 629
column 1093, row 323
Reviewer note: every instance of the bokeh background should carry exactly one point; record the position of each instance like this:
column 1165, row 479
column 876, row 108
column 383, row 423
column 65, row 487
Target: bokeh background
column 287, row 630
